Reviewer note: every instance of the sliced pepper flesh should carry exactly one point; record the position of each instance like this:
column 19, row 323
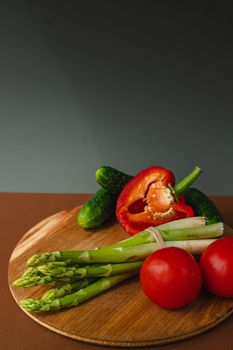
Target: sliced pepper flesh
column 149, row 200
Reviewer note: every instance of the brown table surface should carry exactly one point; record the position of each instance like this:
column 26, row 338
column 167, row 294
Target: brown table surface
column 18, row 213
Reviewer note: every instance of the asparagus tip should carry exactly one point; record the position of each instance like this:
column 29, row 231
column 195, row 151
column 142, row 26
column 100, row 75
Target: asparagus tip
column 23, row 282
column 41, row 259
column 30, row 304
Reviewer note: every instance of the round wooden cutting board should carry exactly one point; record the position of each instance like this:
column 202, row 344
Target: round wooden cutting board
column 121, row 316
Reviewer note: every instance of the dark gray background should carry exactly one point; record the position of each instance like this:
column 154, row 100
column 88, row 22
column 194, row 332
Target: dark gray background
column 122, row 83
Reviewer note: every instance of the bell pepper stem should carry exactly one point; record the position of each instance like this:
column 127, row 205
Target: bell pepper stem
column 187, row 181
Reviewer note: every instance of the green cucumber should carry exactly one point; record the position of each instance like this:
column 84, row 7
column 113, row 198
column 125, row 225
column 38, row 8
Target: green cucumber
column 202, row 205
column 97, row 210
column 101, row 206
column 112, row 179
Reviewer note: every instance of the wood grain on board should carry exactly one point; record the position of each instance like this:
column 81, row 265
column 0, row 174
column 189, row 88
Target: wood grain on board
column 122, row 316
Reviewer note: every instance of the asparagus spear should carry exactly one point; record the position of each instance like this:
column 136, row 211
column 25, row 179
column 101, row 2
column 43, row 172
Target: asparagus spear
column 76, row 298
column 116, row 254
column 59, row 292
column 101, row 255
column 31, row 271
column 52, row 269
column 41, row 279
column 31, row 281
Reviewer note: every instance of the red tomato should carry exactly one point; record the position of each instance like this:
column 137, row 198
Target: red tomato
column 171, row 277
column 217, row 266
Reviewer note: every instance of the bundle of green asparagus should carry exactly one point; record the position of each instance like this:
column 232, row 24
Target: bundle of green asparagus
column 79, row 275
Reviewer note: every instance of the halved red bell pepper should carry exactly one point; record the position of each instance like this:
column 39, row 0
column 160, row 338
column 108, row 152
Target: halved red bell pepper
column 149, row 199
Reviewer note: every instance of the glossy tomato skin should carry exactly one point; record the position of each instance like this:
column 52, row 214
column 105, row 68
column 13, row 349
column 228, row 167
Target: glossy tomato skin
column 217, row 266
column 171, row 278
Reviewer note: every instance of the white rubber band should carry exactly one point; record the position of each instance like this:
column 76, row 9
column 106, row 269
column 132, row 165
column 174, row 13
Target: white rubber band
column 157, row 236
